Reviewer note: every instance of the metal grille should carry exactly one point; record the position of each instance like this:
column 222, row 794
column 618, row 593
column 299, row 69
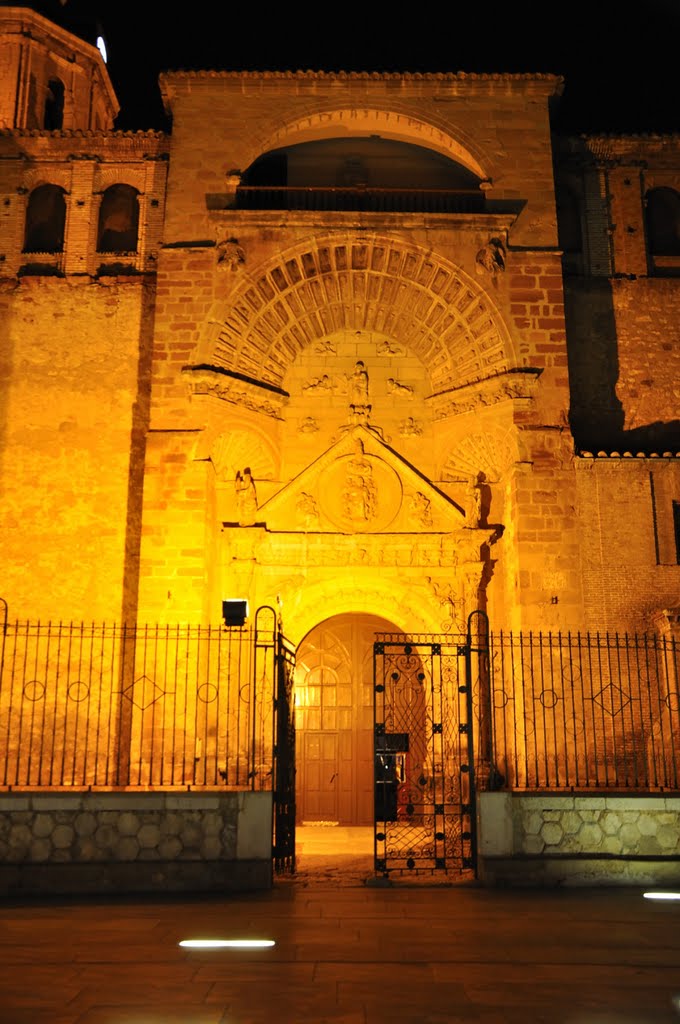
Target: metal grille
column 137, row 706
column 284, row 763
column 379, row 200
column 586, row 711
column 424, row 771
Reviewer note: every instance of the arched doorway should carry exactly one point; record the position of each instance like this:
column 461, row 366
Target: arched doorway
column 334, row 719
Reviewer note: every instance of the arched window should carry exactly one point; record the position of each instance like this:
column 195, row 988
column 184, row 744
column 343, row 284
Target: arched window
column 45, row 220
column 118, row 220
column 663, row 222
column 54, row 106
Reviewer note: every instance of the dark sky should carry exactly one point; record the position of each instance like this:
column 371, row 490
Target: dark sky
column 621, row 62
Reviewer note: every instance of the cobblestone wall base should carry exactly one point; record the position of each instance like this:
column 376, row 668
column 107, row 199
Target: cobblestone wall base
column 134, row 842
column 540, row 839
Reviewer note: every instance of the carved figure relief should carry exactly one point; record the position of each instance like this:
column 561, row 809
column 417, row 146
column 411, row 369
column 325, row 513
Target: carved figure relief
column 326, row 347
column 318, row 384
column 419, row 510
column 230, row 255
column 307, row 510
column 359, row 495
column 395, row 387
column 450, row 604
column 308, row 426
column 246, row 498
column 410, row 428
column 491, row 258
column 386, row 348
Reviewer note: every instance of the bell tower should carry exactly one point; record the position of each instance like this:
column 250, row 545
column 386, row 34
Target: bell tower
column 50, row 79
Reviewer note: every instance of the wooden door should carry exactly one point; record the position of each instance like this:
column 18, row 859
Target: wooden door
column 334, row 720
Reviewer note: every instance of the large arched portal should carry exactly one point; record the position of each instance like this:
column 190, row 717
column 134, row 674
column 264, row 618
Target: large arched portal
column 334, row 719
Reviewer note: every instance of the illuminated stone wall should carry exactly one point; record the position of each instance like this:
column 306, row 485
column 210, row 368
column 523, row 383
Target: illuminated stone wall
column 69, row 386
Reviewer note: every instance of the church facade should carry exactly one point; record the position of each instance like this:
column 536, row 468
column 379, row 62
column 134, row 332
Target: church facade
column 375, row 350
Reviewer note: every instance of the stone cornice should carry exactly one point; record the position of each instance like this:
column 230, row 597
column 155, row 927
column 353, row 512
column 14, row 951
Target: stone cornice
column 214, row 382
column 554, row 81
column 516, row 384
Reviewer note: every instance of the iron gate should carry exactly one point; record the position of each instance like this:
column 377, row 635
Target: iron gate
column 284, row 761
column 428, row 716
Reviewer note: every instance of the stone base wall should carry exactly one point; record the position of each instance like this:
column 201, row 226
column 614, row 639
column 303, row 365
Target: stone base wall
column 578, row 840
column 135, row 842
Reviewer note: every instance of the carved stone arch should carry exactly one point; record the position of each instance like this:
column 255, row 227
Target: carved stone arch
column 387, row 599
column 398, row 125
column 362, row 282
column 492, row 452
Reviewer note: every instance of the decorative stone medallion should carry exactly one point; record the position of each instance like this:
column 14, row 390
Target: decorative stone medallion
column 360, row 493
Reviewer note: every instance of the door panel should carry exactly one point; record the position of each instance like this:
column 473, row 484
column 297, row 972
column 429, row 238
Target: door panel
column 334, row 699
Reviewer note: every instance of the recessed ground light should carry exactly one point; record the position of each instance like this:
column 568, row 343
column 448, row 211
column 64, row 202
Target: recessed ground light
column 661, row 895
column 226, row 943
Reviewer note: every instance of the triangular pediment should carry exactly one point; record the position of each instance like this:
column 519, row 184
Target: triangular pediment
column 360, row 485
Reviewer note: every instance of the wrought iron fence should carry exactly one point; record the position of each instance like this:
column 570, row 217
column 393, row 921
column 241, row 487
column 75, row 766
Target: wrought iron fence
column 137, row 706
column 580, row 711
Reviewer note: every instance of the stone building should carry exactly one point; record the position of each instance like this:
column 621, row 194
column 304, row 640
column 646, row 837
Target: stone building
column 376, row 350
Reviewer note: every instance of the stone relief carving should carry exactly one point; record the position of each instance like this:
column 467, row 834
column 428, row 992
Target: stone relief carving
column 395, row 387
column 229, row 389
column 230, row 255
column 491, row 258
column 308, row 426
column 306, row 508
column 326, row 347
column 386, row 348
column 318, row 384
column 234, row 448
column 419, row 510
column 471, row 397
column 450, row 603
column 359, row 494
column 246, row 498
column 410, row 428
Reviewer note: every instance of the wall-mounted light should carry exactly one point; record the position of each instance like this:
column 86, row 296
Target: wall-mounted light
column 234, row 612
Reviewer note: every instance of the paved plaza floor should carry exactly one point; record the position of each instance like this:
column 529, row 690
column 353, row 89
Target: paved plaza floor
column 345, row 952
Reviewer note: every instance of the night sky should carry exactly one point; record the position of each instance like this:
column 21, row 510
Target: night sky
column 621, row 63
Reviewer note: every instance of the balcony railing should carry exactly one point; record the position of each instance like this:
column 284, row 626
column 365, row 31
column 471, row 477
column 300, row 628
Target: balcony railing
column 371, row 200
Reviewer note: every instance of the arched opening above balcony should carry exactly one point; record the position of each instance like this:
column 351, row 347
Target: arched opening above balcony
column 359, row 173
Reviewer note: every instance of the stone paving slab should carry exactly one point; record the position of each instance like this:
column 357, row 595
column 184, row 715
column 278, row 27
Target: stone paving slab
column 345, row 953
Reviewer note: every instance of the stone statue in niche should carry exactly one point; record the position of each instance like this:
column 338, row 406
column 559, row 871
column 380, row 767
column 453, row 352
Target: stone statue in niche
column 307, row 510
column 246, row 498
column 230, row 255
column 395, row 387
column 473, row 503
column 358, row 384
column 491, row 258
column 359, row 495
